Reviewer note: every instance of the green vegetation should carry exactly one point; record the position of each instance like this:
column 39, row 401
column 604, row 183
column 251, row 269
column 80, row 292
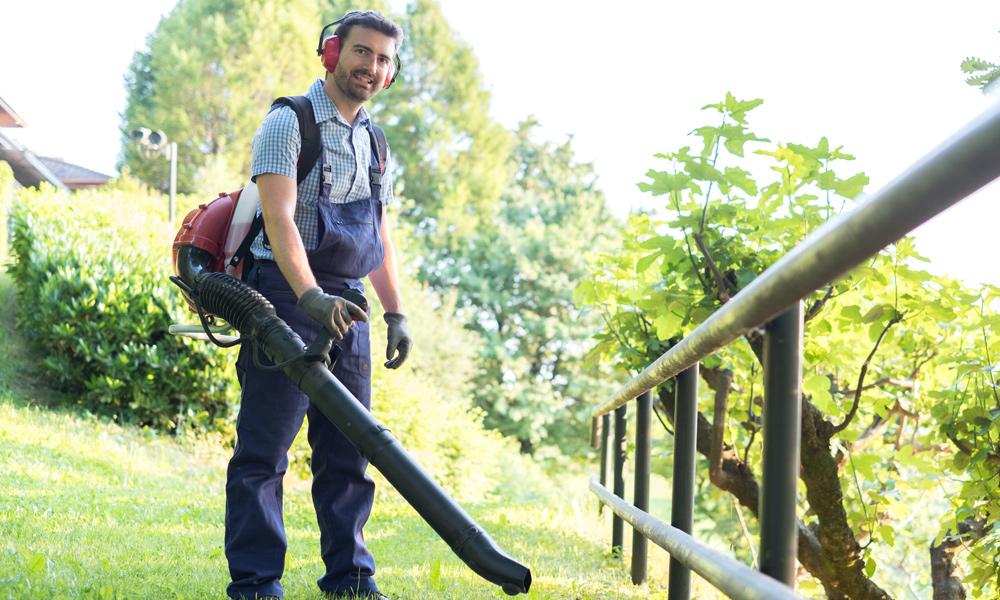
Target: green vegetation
column 93, row 510
column 900, row 411
column 982, row 74
column 96, row 303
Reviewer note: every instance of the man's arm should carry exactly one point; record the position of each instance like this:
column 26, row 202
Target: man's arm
column 278, row 195
column 277, row 205
column 385, row 279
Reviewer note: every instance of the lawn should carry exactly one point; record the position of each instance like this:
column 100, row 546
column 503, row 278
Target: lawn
column 94, row 510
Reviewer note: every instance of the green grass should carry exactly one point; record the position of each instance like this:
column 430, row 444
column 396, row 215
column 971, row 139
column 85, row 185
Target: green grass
column 90, row 509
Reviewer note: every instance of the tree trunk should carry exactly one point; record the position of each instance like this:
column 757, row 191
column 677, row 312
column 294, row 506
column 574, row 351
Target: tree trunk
column 827, row 549
column 945, row 580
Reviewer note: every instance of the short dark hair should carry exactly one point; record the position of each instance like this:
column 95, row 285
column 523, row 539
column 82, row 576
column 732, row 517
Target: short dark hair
column 371, row 19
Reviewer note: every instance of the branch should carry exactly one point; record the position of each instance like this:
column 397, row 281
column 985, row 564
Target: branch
column 992, row 458
column 879, row 425
column 818, row 305
column 861, row 377
column 903, row 383
column 723, row 295
column 724, row 384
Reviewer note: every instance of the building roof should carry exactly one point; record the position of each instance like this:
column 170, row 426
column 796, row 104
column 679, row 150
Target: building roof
column 75, row 177
column 30, row 170
column 9, row 118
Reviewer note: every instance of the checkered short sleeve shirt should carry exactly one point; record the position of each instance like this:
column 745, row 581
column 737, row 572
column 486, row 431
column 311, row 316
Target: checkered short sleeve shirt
column 346, row 148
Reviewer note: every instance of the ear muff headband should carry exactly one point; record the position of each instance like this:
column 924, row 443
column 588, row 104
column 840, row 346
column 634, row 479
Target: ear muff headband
column 329, row 52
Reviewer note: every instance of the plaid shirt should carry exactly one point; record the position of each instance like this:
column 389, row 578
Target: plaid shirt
column 346, row 148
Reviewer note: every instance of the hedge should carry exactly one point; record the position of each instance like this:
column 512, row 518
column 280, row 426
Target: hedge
column 91, row 272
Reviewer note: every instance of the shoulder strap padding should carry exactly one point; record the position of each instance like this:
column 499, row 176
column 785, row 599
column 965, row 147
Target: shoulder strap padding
column 309, row 152
column 308, row 129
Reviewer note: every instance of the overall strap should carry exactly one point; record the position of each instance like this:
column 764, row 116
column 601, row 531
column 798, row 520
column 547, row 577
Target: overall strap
column 379, row 155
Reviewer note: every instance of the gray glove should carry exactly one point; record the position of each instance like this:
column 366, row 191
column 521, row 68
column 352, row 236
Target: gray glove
column 399, row 340
column 333, row 312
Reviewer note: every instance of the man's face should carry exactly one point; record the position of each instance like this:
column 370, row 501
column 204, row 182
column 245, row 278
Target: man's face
column 364, row 62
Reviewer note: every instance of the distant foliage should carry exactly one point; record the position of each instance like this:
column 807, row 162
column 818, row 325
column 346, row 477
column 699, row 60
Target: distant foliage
column 206, row 78
column 91, row 276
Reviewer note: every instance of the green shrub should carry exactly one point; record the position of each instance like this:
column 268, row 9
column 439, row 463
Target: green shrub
column 91, row 276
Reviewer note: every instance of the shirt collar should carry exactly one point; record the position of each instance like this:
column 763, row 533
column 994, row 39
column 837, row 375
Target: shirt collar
column 324, row 108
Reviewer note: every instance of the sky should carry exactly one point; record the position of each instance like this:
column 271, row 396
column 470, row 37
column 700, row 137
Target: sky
column 881, row 78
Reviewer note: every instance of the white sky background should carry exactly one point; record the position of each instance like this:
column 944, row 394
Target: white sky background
column 627, row 80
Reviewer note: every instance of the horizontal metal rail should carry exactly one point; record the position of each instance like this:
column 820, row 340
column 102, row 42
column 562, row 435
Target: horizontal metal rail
column 964, row 163
column 728, row 575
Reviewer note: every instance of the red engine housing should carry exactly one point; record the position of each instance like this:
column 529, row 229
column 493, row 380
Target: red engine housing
column 206, row 228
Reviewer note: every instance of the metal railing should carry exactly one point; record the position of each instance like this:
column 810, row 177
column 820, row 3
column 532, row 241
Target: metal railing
column 964, row 163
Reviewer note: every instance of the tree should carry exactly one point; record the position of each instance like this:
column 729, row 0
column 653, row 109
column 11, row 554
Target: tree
column 899, row 396
column 515, row 281
column 211, row 69
column 451, row 154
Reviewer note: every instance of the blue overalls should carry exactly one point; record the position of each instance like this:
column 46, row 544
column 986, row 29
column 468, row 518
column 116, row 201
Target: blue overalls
column 271, row 414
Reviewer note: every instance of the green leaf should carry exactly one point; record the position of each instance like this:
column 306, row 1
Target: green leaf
column 864, row 465
column 703, row 171
column 436, row 574
column 851, row 313
column 664, row 242
column 887, row 533
column 667, row 325
column 852, row 186
column 664, row 183
column 646, row 261
column 874, row 314
column 36, row 563
column 738, row 108
column 741, row 179
column 710, row 136
column 961, row 461
column 818, row 388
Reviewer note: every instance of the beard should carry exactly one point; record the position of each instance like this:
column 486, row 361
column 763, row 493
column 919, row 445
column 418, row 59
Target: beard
column 352, row 90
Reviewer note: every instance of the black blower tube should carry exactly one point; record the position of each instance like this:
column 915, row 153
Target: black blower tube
column 254, row 317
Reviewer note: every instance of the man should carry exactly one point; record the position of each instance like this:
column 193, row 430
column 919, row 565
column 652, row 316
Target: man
column 320, row 238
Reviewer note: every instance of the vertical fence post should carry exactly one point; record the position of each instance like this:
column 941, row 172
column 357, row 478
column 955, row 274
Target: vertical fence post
column 685, row 455
column 617, row 524
column 640, row 498
column 781, row 438
column 605, row 437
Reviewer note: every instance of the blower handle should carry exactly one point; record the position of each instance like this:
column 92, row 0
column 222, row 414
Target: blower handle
column 319, row 349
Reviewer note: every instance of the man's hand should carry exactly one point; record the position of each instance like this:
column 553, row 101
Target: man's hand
column 399, row 340
column 333, row 312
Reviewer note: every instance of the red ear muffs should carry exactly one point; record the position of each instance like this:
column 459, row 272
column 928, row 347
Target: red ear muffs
column 331, row 52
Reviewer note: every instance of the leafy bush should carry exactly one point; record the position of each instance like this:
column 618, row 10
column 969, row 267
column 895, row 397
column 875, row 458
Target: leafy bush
column 91, row 275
